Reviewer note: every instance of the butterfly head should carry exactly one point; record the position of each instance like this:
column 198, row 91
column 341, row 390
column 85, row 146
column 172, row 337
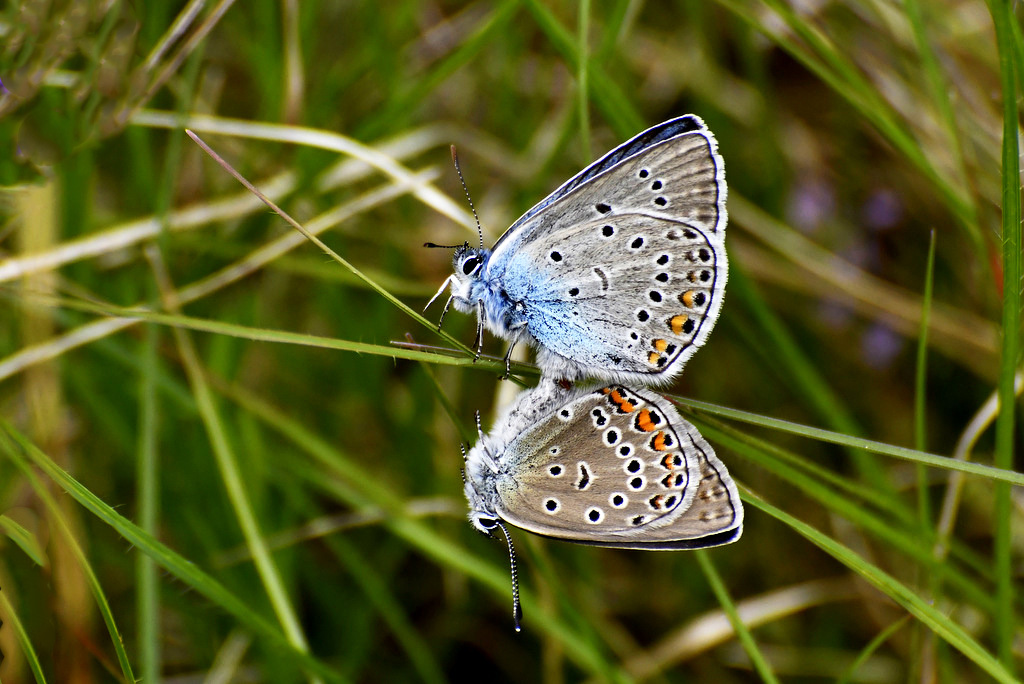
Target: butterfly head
column 479, row 474
column 468, row 265
column 484, row 522
column 481, row 511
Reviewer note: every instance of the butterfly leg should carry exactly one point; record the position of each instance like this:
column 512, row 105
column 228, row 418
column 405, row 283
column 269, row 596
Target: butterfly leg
column 518, row 308
column 444, row 312
column 508, row 361
column 479, row 428
column 446, row 283
column 478, row 343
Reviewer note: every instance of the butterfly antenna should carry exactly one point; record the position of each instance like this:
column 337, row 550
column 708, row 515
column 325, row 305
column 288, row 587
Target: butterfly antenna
column 458, row 170
column 434, row 245
column 486, row 455
column 517, row 608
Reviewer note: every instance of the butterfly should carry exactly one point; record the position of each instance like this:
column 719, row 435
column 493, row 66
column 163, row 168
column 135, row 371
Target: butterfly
column 618, row 274
column 609, row 466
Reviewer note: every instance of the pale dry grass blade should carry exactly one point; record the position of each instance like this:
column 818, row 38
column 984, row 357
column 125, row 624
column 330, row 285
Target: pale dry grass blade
column 90, row 332
column 712, row 629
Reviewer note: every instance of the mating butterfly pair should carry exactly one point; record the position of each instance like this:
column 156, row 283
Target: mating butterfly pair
column 618, row 275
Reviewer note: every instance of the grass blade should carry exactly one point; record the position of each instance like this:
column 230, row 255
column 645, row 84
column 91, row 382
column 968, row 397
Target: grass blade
column 993, row 473
column 11, row 618
column 231, row 474
column 926, row 613
column 761, row 665
column 58, row 516
column 1003, row 16
column 17, row 447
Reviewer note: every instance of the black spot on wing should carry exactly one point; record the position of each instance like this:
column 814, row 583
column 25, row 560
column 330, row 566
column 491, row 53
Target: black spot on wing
column 584, row 477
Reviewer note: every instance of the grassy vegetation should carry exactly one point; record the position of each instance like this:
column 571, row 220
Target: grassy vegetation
column 226, row 454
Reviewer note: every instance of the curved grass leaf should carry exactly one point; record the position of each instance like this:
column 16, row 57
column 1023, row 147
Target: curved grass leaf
column 18, row 447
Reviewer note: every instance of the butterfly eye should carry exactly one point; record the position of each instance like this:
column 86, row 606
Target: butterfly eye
column 487, row 523
column 470, row 265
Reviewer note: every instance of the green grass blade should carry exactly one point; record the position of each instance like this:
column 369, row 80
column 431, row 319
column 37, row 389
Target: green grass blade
column 892, row 507
column 1018, row 51
column 23, row 539
column 608, row 97
column 583, row 77
column 12, row 620
column 17, row 447
column 832, row 67
column 84, row 565
column 993, row 473
column 227, row 465
column 387, row 604
column 1003, row 16
column 926, row 613
column 148, row 504
column 396, row 112
column 959, row 332
column 807, row 380
column 872, row 646
column 452, row 357
column 907, row 541
column 760, row 663
column 939, row 90
column 415, row 315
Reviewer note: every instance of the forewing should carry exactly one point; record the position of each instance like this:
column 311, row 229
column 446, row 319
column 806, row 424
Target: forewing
column 617, row 467
column 672, row 170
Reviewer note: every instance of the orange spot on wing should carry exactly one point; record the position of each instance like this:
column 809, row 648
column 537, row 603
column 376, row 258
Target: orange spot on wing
column 687, row 298
column 659, row 442
column 643, row 421
column 676, row 322
column 653, row 357
column 660, row 345
column 619, row 400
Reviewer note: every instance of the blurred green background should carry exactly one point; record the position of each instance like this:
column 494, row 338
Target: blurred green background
column 255, row 475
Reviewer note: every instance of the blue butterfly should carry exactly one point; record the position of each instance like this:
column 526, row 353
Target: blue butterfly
column 619, row 274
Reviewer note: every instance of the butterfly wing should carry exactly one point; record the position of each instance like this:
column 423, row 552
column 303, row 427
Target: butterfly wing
column 690, row 128
column 618, row 467
column 622, row 274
